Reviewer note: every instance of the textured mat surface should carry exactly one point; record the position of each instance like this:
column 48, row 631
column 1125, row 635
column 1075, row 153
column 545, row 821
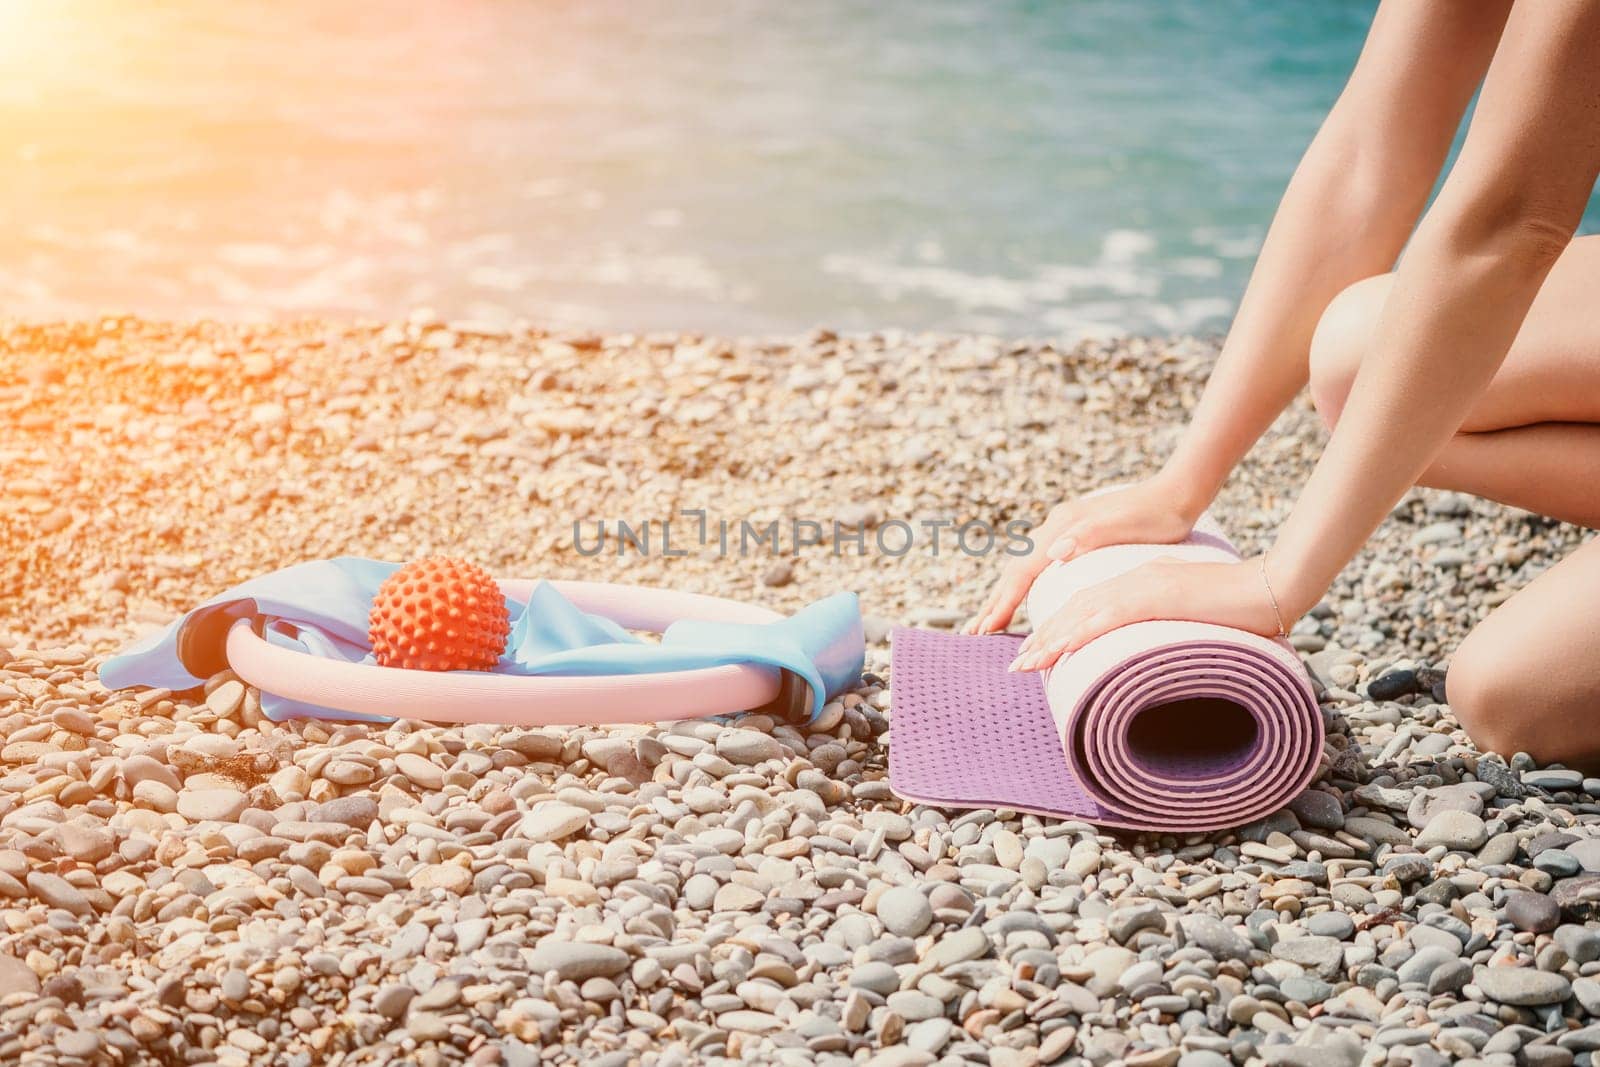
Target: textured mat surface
column 1166, row 725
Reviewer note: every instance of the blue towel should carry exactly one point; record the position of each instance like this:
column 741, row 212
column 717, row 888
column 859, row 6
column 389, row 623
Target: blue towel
column 322, row 607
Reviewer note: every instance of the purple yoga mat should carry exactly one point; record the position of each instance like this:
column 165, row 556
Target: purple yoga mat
column 1167, row 725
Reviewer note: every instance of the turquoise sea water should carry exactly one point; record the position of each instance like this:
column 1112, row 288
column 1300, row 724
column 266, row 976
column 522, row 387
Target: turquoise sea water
column 1093, row 166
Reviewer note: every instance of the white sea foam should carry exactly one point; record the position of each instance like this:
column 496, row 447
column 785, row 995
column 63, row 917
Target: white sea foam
column 1122, row 290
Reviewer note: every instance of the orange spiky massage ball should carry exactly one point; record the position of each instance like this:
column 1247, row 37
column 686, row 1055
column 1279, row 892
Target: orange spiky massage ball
column 439, row 614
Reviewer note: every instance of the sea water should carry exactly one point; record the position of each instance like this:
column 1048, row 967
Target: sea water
column 1066, row 168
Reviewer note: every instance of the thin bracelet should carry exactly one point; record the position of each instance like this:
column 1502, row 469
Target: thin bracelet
column 1273, row 597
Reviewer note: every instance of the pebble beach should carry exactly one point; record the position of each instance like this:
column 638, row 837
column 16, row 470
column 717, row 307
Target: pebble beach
column 183, row 881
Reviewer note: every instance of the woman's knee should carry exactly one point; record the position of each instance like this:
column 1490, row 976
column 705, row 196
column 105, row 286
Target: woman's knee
column 1481, row 695
column 1493, row 700
column 1343, row 336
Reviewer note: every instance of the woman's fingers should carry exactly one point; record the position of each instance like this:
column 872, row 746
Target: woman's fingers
column 1090, row 534
column 1009, row 591
column 1067, row 631
column 1090, row 613
column 1059, row 634
column 1003, row 602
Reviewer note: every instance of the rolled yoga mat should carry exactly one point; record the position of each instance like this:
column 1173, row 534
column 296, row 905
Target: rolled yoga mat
column 1168, row 726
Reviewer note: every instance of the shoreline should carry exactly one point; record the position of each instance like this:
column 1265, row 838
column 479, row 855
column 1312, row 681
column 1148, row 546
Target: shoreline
column 176, row 870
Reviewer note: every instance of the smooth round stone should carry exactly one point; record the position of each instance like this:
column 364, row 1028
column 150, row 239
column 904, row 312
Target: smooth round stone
column 1426, row 805
column 422, row 772
column 534, row 745
column 1458, row 831
column 348, row 772
column 76, row 720
column 1322, row 955
column 78, row 1043
column 702, row 800
column 1557, row 862
column 699, row 891
column 1107, row 966
column 1125, row 922
column 747, row 747
column 895, row 827
column 1204, row 1058
column 1548, row 840
column 1420, row 967
column 1554, row 780
column 875, row 976
column 742, row 1020
column 1216, row 937
column 949, row 896
column 1580, row 943
column 1334, row 924
column 852, row 930
column 1318, row 809
column 1499, row 849
column 929, row 1035
column 212, row 805
column 914, row 1006
column 141, row 768
column 450, row 877
column 736, row 897
column 1308, row 991
column 723, row 839
column 1533, row 912
column 1008, row 850
column 576, row 961
column 904, row 910
column 1166, row 1005
column 1587, row 990
column 1432, row 745
column 16, row 977
column 235, row 985
column 226, row 699
column 552, row 820
column 1426, row 935
column 425, row 1026
column 1449, row 977
column 967, row 943
column 86, row 844
column 1521, row 986
column 1587, row 853
column 1396, row 683
column 1143, row 973
column 58, row 893
column 357, row 812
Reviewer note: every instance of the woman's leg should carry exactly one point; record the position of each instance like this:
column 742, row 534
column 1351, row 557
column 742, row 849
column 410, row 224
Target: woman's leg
column 1533, row 440
column 1527, row 679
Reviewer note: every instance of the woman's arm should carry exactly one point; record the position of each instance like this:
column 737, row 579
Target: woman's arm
column 1507, row 211
column 1346, row 214
column 1353, row 199
column 1505, row 215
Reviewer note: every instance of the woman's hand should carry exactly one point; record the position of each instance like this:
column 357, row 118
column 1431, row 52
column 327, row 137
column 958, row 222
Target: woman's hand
column 1152, row 512
column 1229, row 594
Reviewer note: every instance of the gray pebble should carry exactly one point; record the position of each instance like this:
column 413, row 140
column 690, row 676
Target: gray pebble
column 1522, row 986
column 576, row 961
column 1557, row 862
column 1554, row 780
column 1334, row 924
column 1532, row 912
column 904, row 910
column 392, row 1000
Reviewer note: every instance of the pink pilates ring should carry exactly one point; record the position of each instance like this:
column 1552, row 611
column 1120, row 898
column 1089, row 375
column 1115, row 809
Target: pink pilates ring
column 546, row 700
